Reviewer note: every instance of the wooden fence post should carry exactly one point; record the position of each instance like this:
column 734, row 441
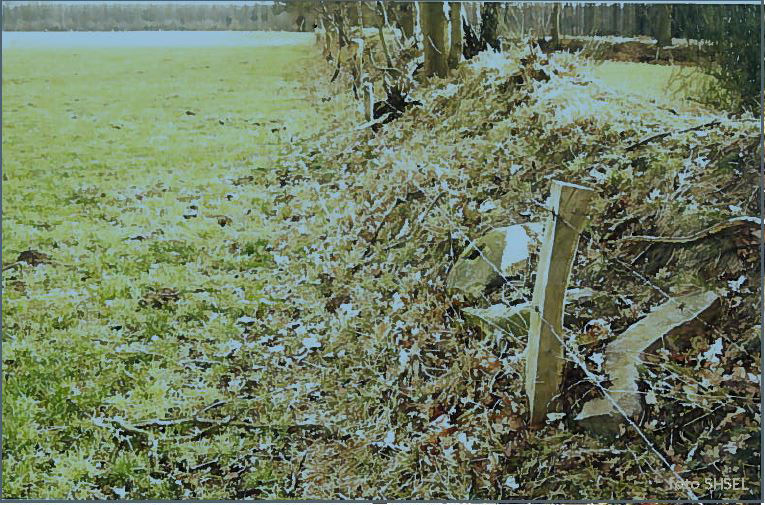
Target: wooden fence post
column 369, row 101
column 359, row 76
column 544, row 353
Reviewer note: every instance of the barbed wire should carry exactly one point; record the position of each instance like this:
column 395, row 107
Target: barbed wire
column 573, row 354
column 596, row 381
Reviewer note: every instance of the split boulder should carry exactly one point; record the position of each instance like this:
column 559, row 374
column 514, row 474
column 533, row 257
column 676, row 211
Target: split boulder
column 512, row 319
column 502, row 252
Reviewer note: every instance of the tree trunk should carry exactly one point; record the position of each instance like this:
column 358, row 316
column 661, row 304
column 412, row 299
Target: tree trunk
column 664, row 25
column 643, row 19
column 417, row 30
column 455, row 46
column 360, row 20
column 556, row 26
column 433, row 26
column 489, row 23
column 383, row 22
column 567, row 14
column 589, row 19
column 406, row 19
column 340, row 22
column 598, row 25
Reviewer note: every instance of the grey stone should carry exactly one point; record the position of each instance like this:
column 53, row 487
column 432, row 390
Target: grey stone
column 513, row 319
column 502, row 252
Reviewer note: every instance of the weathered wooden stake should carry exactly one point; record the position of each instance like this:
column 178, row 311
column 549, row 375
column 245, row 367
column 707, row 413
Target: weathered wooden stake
column 544, row 356
column 359, row 76
column 369, row 101
column 319, row 33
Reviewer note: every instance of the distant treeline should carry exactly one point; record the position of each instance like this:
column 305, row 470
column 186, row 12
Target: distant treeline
column 629, row 19
column 684, row 21
column 687, row 21
column 128, row 17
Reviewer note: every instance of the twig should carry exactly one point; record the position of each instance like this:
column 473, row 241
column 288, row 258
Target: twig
column 211, row 424
column 432, row 204
column 421, row 218
column 378, row 67
column 387, row 214
column 296, row 475
column 409, row 197
column 433, row 45
column 128, row 427
column 373, row 122
column 204, row 465
column 667, row 134
column 337, row 68
column 400, row 30
column 715, row 229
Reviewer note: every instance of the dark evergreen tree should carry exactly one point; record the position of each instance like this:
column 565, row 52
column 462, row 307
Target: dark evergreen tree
column 489, row 24
column 733, row 32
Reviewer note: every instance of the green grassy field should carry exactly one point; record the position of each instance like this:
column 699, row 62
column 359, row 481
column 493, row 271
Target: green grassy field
column 666, row 84
column 135, row 171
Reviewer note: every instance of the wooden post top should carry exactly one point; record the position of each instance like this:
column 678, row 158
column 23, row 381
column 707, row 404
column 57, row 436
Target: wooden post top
column 571, row 185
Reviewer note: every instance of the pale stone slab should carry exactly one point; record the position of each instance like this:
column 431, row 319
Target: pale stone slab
column 622, row 357
column 513, row 319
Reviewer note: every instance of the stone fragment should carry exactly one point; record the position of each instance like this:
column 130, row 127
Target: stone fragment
column 513, row 319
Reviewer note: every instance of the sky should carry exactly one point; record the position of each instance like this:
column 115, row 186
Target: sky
column 154, row 2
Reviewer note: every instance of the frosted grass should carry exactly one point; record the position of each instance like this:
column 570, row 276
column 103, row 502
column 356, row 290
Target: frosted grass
column 13, row 40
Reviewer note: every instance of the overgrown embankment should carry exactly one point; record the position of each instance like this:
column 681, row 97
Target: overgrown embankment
column 419, row 404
